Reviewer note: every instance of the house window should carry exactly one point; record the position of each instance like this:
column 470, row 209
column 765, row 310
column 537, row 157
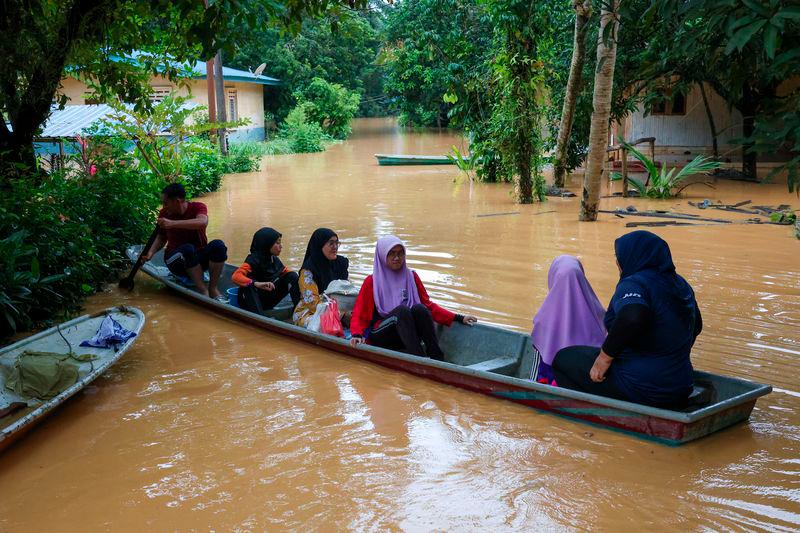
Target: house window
column 159, row 93
column 233, row 105
column 673, row 104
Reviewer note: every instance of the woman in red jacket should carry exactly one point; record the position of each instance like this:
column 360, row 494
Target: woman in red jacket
column 393, row 309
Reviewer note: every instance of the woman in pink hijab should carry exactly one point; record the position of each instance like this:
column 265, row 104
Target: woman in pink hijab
column 571, row 315
column 393, row 309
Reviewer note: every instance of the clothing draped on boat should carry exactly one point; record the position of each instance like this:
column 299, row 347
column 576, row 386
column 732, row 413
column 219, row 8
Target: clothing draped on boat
column 316, row 274
column 391, row 288
column 571, row 313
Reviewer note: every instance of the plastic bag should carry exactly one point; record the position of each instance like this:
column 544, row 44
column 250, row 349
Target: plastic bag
column 344, row 292
column 314, row 323
column 331, row 322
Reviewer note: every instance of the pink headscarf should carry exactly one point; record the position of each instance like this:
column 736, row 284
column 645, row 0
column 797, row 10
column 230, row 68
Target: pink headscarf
column 389, row 287
column 571, row 314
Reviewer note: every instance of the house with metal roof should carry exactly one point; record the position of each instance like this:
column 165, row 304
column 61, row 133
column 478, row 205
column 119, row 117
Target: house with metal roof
column 244, row 96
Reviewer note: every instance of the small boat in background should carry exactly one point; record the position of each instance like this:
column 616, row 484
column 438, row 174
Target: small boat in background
column 403, row 159
column 499, row 363
column 19, row 414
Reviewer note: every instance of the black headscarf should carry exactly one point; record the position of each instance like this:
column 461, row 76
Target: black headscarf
column 265, row 266
column 645, row 255
column 323, row 270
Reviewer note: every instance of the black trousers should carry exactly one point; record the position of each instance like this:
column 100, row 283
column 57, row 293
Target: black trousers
column 405, row 329
column 187, row 256
column 257, row 300
column 571, row 368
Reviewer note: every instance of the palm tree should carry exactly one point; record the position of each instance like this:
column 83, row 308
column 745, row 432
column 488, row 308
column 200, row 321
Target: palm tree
column 583, row 10
column 601, row 108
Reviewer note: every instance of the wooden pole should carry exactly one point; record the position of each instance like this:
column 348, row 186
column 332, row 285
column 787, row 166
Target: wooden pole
column 219, row 84
column 624, row 172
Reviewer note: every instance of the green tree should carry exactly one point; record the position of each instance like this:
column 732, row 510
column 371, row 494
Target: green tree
column 330, row 105
column 436, row 48
column 341, row 49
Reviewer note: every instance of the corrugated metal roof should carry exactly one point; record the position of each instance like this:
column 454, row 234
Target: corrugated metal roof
column 73, row 119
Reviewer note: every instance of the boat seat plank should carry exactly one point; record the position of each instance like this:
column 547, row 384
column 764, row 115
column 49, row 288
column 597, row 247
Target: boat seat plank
column 498, row 365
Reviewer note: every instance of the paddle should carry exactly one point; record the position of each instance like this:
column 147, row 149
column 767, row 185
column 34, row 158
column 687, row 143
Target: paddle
column 127, row 282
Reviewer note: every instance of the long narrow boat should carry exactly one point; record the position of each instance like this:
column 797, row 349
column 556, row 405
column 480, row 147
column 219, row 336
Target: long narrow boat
column 498, row 362
column 60, row 339
column 409, row 159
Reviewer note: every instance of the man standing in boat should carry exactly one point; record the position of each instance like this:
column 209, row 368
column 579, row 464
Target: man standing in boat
column 182, row 228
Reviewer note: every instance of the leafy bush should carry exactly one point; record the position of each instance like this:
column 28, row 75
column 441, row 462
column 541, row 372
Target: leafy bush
column 330, row 105
column 303, row 136
column 277, row 146
column 244, row 156
column 75, row 226
column 201, row 167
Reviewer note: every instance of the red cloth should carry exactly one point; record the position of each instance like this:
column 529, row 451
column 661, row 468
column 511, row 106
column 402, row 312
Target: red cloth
column 179, row 237
column 364, row 309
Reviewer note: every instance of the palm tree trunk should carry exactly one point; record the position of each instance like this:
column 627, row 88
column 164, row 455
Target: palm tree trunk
column 601, row 109
column 583, row 10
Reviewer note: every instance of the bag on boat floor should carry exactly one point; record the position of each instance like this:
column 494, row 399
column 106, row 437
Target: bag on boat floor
column 42, row 375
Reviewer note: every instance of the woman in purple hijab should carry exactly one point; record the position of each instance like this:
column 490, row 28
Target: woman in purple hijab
column 571, row 315
column 393, row 309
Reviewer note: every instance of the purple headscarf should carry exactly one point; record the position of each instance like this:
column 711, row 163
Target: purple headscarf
column 389, row 287
column 571, row 314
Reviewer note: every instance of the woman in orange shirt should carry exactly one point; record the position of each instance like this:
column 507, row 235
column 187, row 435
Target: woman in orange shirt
column 263, row 280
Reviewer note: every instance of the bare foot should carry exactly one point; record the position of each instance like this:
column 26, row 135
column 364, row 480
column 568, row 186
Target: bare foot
column 214, row 293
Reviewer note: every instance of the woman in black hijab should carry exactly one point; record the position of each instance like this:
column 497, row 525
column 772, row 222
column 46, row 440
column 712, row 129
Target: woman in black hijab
column 321, row 265
column 652, row 322
column 263, row 280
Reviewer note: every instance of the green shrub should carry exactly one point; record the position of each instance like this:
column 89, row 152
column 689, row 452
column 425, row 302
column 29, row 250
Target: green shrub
column 68, row 233
column 329, row 105
column 244, row 157
column 202, row 167
column 277, row 146
column 303, row 136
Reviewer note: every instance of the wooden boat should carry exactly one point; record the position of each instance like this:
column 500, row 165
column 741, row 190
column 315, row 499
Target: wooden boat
column 60, row 339
column 499, row 362
column 405, row 159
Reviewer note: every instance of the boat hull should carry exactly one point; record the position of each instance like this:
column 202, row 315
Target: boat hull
column 665, row 426
column 401, row 160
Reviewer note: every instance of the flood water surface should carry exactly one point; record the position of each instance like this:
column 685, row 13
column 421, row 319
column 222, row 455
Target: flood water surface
column 210, row 424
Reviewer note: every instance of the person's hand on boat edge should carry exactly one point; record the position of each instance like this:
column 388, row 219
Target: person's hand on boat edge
column 469, row 320
column 356, row 340
column 598, row 371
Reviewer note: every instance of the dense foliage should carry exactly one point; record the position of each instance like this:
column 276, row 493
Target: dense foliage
column 329, row 105
column 339, row 49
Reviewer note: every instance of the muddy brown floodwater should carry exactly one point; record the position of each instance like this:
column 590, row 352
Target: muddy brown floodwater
column 210, row 424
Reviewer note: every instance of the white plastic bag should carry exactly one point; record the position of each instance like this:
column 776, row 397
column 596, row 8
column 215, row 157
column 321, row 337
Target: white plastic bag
column 314, row 322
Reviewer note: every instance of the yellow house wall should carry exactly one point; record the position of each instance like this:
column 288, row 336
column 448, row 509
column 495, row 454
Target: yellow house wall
column 250, row 100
